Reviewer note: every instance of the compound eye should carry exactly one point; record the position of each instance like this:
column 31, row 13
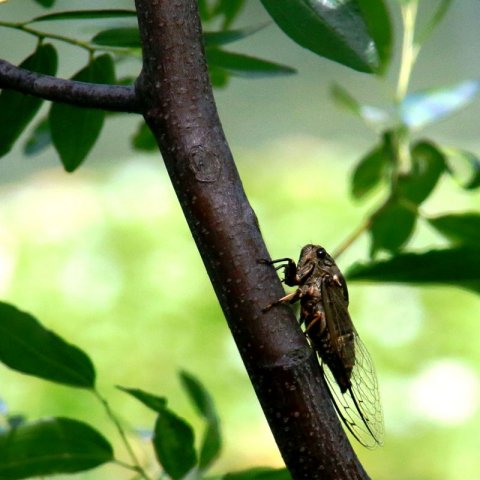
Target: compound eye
column 321, row 253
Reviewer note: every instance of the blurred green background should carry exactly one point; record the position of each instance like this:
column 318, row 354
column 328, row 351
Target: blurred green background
column 104, row 258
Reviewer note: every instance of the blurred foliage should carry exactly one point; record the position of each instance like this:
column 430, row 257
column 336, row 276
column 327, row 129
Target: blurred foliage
column 77, row 252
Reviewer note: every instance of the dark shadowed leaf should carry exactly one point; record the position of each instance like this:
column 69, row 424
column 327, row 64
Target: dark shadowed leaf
column 462, row 228
column 224, row 37
column 457, row 266
column 229, row 9
column 154, row 402
column 126, row 37
column 51, row 446
column 203, row 402
column 17, row 109
column 259, row 473
column 391, row 228
column 463, row 166
column 428, row 164
column 39, row 139
column 85, row 15
column 423, row 108
column 75, row 130
column 369, row 172
column 244, row 65
column 173, row 442
column 45, row 3
column 143, row 139
column 28, row 347
column 337, row 30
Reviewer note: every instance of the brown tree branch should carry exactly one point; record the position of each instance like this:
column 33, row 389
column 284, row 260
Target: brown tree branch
column 178, row 106
column 117, row 98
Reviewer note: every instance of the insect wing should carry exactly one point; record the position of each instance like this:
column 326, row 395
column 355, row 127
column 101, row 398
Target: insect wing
column 359, row 407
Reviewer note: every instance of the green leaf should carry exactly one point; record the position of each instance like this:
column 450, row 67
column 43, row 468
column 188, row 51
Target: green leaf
column 75, row 130
column 126, row 37
column 45, row 3
column 244, row 65
column 457, row 266
column 143, row 139
column 463, row 228
column 39, row 139
column 51, row 446
column 424, row 108
column 338, row 30
column 259, row 473
column 17, row 109
column 219, row 77
column 173, row 442
column 28, row 347
column 379, row 27
column 85, row 15
column 229, row 9
column 392, row 227
column 428, row 164
column 203, row 402
column 224, row 37
column 440, row 12
column 369, row 172
column 154, row 402
column 463, row 166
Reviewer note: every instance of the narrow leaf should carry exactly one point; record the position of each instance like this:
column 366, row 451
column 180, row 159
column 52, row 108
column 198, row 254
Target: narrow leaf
column 39, row 139
column 392, row 227
column 45, row 3
column 457, row 266
column 259, row 473
column 173, row 442
column 229, row 9
column 51, row 446
column 463, row 166
column 423, row 108
column 26, row 346
column 17, row 109
column 440, row 12
column 463, row 228
column 369, row 172
column 154, row 402
column 336, row 30
column 118, row 37
column 203, row 402
column 85, row 15
column 244, row 65
column 428, row 164
column 75, row 130
column 224, row 37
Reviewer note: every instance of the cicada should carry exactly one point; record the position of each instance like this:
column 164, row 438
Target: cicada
column 345, row 363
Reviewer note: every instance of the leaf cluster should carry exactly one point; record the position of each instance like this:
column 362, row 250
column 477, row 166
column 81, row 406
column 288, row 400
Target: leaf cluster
column 58, row 444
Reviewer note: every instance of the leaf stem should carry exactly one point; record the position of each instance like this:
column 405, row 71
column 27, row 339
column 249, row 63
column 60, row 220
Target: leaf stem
column 111, row 415
column 410, row 48
column 352, row 238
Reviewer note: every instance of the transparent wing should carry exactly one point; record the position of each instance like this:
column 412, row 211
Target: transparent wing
column 359, row 407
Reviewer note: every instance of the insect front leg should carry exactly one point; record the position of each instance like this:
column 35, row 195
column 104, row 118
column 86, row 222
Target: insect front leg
column 289, row 269
column 290, row 298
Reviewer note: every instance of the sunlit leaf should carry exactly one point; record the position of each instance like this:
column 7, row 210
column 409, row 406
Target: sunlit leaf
column 173, row 443
column 39, row 139
column 461, row 228
column 428, row 164
column 259, row 473
column 203, row 402
column 28, row 347
column 457, row 266
column 338, row 30
column 75, row 130
column 154, row 402
column 17, row 109
column 85, row 15
column 392, row 227
column 51, row 446
column 423, row 108
column 463, row 166
column 244, row 65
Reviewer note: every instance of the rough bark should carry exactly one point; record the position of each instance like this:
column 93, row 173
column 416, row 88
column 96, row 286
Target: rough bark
column 178, row 105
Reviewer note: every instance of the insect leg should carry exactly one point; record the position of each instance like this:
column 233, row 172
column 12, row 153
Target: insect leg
column 290, row 298
column 319, row 316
